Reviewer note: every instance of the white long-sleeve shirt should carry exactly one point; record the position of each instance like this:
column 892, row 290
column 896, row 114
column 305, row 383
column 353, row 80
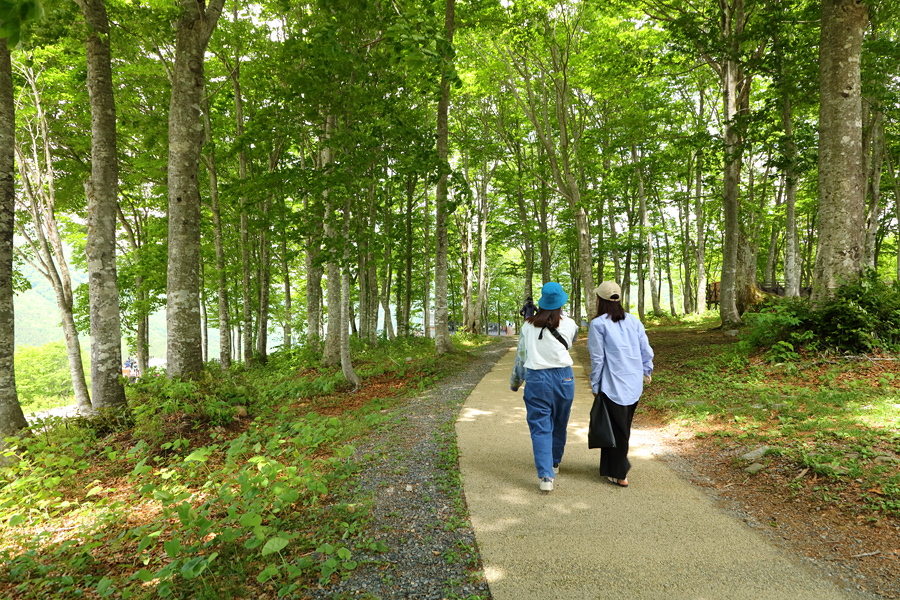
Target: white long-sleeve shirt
column 537, row 352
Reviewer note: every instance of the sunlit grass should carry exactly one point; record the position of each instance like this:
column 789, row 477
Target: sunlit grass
column 838, row 417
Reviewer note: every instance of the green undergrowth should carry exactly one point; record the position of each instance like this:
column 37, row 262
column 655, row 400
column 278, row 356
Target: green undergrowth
column 231, row 485
column 830, row 421
column 862, row 317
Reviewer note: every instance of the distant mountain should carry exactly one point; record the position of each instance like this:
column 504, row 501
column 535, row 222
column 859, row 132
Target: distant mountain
column 37, row 316
column 38, row 321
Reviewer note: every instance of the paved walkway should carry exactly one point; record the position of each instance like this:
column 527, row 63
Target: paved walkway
column 660, row 538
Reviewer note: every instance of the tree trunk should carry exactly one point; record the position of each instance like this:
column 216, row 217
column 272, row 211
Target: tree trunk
column 344, row 321
column 398, row 303
column 388, row 271
column 407, row 290
column 629, row 244
column 39, row 197
column 193, row 30
column 841, row 213
column 642, row 291
column 102, row 191
column 142, row 301
column 484, row 213
column 142, row 341
column 733, row 17
column 12, row 419
column 332, row 350
column 769, row 279
column 442, row 341
column 700, row 223
column 896, row 187
column 791, row 242
column 364, row 236
column 373, row 269
column 647, row 235
column 684, row 228
column 873, row 212
column 265, row 279
column 426, row 303
column 313, row 286
column 546, row 255
column 204, row 329
column 466, row 238
column 614, row 245
column 288, row 315
column 525, row 223
column 246, row 298
column 674, row 312
column 221, row 275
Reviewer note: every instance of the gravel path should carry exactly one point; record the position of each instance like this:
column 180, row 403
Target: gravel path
column 418, row 511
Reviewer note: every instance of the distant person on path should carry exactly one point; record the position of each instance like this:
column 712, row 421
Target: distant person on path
column 528, row 309
column 621, row 362
column 544, row 365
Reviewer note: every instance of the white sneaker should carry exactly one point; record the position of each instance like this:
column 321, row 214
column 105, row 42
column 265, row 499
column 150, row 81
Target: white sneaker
column 546, row 484
column 556, row 468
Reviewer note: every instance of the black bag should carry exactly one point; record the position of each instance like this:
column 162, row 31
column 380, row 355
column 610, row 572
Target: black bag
column 600, row 431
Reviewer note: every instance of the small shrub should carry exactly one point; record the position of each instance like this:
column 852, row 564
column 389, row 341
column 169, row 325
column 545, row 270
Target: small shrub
column 861, row 317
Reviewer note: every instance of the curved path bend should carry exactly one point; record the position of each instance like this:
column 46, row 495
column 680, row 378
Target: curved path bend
column 660, row 538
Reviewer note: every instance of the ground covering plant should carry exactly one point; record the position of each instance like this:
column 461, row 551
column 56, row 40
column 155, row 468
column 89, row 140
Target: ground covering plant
column 228, row 484
column 835, row 418
column 825, row 427
column 861, row 317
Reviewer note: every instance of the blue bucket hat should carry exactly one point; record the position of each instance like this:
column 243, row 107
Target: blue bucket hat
column 552, row 296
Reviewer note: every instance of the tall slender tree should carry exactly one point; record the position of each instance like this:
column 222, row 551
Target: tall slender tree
column 442, row 341
column 196, row 23
column 12, row 420
column 102, row 191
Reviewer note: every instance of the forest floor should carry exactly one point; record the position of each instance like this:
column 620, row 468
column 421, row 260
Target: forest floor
column 829, row 434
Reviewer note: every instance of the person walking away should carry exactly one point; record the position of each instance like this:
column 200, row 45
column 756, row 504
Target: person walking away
column 544, row 365
column 621, row 362
column 528, row 309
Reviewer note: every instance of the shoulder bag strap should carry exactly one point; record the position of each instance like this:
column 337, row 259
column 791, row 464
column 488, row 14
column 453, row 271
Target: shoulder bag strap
column 555, row 334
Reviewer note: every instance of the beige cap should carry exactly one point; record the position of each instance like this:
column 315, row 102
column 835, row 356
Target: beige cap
column 609, row 290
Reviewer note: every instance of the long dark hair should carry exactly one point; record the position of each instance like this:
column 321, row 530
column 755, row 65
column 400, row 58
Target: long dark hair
column 545, row 318
column 613, row 308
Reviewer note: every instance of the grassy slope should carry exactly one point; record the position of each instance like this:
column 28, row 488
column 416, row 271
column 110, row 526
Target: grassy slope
column 835, row 418
column 193, row 499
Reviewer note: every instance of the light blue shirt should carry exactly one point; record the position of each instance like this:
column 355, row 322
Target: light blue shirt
column 620, row 357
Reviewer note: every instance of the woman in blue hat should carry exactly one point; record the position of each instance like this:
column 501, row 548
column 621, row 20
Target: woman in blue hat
column 544, row 365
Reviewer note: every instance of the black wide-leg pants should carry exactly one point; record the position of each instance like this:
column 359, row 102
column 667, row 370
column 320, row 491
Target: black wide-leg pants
column 614, row 461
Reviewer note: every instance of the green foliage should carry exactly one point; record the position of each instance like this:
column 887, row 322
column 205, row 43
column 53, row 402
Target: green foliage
column 205, row 399
column 42, row 373
column 204, row 505
column 14, row 15
column 861, row 317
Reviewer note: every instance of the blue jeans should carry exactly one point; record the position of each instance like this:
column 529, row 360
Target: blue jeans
column 548, row 402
